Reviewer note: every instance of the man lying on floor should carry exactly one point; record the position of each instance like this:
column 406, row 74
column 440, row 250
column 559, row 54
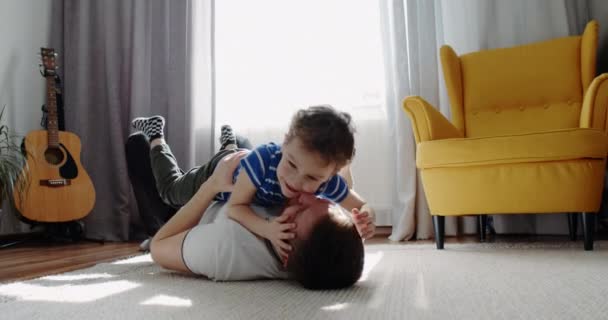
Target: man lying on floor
column 201, row 239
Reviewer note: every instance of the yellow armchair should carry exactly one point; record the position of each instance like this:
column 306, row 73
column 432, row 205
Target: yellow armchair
column 528, row 133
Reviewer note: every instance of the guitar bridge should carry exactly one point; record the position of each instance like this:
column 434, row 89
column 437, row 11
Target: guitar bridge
column 55, row 182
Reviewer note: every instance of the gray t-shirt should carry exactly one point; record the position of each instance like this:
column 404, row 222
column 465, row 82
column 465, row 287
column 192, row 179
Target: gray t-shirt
column 222, row 249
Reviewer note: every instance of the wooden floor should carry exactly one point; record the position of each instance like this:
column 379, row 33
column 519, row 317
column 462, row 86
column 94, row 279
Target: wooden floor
column 34, row 259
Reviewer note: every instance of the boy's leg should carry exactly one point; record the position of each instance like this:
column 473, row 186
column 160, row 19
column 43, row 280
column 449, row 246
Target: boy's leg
column 153, row 212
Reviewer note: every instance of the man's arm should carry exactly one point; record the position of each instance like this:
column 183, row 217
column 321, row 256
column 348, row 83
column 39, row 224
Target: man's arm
column 166, row 246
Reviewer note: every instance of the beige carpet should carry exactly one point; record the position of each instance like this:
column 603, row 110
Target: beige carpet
column 550, row 280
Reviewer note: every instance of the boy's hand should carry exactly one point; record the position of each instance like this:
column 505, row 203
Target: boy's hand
column 364, row 221
column 221, row 179
column 280, row 230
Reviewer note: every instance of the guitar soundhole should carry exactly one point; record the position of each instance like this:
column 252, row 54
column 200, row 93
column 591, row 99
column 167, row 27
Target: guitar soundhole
column 53, row 156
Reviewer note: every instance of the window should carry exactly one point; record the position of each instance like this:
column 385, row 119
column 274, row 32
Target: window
column 273, row 57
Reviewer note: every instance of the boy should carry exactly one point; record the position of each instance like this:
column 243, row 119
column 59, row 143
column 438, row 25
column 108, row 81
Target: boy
column 318, row 144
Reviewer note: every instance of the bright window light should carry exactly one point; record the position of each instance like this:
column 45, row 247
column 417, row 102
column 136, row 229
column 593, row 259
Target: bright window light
column 274, row 56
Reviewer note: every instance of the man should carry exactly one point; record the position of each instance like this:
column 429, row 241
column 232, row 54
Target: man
column 328, row 252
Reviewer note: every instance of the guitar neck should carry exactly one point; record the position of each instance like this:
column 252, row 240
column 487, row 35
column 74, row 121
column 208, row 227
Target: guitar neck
column 51, row 105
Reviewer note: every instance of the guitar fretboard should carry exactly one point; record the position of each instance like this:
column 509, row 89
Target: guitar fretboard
column 51, row 105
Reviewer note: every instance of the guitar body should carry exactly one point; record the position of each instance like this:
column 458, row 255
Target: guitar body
column 58, row 187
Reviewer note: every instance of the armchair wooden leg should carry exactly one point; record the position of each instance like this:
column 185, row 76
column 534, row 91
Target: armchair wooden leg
column 572, row 225
column 588, row 229
column 439, row 224
column 483, row 226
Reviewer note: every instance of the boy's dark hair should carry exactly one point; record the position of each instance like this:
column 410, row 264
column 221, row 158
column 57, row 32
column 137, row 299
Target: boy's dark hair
column 325, row 130
column 330, row 258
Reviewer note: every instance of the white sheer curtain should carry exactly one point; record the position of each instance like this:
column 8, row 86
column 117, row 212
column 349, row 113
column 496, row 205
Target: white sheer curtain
column 413, row 31
column 410, row 55
column 202, row 80
column 273, row 57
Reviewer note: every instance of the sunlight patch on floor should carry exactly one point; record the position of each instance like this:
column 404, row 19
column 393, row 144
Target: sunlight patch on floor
column 67, row 293
column 135, row 260
column 335, row 307
column 74, row 277
column 169, row 301
column 371, row 260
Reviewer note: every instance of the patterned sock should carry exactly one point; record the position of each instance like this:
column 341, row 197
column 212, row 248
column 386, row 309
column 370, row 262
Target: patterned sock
column 227, row 138
column 151, row 127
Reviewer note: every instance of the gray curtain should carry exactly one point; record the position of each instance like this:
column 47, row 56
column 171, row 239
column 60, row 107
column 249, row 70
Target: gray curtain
column 121, row 59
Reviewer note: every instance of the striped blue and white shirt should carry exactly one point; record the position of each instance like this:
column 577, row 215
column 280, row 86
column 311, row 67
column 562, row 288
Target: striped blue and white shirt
column 261, row 166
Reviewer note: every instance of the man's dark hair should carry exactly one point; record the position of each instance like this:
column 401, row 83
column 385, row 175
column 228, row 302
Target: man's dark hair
column 330, row 258
column 326, row 131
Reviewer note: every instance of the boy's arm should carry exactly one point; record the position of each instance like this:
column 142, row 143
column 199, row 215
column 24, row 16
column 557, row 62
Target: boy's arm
column 240, row 202
column 363, row 214
column 277, row 230
column 165, row 246
column 347, row 175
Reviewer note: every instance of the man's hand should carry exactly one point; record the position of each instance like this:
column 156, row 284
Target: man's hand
column 364, row 221
column 280, row 230
column 221, row 179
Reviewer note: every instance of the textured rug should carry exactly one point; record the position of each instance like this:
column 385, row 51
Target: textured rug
column 556, row 280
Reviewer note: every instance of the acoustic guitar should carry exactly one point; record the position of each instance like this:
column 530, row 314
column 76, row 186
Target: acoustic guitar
column 58, row 189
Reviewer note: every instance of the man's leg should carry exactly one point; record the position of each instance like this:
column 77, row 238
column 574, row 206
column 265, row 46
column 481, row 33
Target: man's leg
column 153, row 212
column 243, row 143
column 174, row 186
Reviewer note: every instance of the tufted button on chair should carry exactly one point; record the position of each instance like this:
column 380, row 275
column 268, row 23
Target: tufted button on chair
column 527, row 135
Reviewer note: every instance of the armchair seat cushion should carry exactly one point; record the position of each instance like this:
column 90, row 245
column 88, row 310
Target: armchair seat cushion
column 555, row 145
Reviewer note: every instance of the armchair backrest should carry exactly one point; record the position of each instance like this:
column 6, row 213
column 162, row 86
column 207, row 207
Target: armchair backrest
column 534, row 87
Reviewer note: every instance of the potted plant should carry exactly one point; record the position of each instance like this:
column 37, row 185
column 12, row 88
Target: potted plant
column 12, row 162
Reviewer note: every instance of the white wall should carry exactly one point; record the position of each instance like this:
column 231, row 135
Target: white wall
column 25, row 26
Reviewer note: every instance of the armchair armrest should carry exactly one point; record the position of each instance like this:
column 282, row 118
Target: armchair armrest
column 427, row 122
column 593, row 112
